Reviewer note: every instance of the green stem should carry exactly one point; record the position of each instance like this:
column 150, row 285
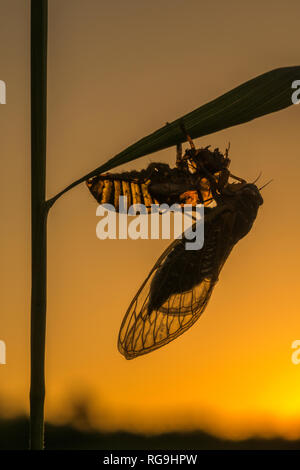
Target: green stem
column 39, row 212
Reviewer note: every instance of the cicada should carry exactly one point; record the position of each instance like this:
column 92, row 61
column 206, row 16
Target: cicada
column 178, row 287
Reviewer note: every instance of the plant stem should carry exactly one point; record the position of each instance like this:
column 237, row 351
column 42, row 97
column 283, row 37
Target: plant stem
column 39, row 212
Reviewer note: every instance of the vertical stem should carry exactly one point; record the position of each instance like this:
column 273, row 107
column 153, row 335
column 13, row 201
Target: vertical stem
column 38, row 218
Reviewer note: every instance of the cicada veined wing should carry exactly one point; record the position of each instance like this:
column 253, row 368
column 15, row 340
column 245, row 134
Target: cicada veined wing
column 177, row 289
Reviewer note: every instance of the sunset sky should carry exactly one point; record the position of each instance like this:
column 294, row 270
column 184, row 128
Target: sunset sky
column 118, row 71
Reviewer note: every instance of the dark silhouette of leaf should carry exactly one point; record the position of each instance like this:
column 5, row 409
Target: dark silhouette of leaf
column 262, row 95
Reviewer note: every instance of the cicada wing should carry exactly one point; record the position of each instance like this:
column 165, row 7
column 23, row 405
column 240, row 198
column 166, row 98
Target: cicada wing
column 176, row 291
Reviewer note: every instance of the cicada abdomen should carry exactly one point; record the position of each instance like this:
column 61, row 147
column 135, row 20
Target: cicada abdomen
column 108, row 188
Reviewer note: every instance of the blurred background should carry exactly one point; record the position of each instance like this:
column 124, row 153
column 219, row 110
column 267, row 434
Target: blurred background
column 116, row 72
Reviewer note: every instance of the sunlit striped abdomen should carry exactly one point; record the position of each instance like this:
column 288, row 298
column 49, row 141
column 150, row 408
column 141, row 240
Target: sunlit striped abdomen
column 107, row 189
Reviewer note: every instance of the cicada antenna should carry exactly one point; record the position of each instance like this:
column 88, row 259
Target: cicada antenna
column 256, row 179
column 265, row 185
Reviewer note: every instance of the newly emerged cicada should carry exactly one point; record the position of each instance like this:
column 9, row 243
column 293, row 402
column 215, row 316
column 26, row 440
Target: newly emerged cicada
column 178, row 288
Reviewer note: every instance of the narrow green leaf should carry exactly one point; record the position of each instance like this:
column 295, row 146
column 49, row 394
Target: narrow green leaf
column 262, row 95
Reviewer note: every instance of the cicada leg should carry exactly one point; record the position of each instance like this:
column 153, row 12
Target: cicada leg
column 213, row 183
column 178, row 155
column 241, row 180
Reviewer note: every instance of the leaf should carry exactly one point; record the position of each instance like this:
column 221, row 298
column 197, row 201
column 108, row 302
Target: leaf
column 262, row 95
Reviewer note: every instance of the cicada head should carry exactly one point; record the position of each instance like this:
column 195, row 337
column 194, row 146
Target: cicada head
column 245, row 192
column 251, row 191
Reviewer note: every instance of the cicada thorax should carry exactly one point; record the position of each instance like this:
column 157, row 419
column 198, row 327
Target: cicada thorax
column 108, row 188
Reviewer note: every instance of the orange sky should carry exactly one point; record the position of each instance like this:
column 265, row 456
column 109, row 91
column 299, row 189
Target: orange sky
column 118, row 71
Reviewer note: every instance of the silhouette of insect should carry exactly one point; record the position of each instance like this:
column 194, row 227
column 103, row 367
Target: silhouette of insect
column 199, row 176
column 178, row 288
